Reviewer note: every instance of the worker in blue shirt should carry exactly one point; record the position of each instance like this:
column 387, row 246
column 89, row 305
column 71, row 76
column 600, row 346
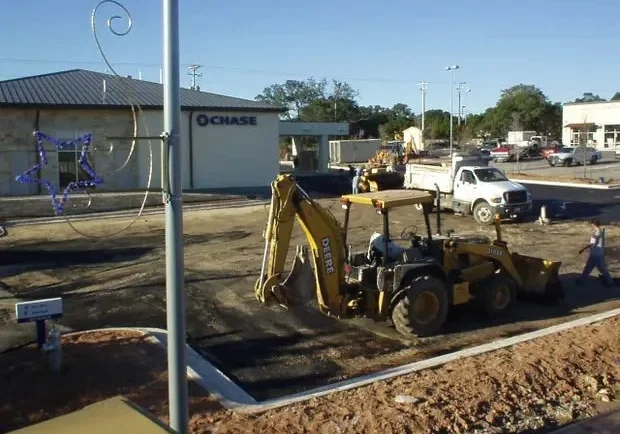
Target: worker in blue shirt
column 355, row 182
column 596, row 257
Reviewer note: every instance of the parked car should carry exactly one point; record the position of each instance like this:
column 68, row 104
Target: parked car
column 551, row 150
column 570, row 155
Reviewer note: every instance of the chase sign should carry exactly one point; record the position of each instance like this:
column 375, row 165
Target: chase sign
column 204, row 120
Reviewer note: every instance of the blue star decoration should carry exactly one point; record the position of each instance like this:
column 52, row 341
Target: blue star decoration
column 28, row 178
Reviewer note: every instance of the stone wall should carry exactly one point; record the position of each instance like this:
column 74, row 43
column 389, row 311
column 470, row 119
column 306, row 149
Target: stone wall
column 18, row 150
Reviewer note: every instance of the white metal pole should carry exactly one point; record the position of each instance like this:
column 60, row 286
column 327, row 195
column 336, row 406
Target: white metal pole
column 173, row 198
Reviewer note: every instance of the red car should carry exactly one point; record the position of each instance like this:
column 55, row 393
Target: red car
column 551, row 150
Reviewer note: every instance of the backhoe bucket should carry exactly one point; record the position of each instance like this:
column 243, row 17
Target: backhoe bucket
column 540, row 277
column 299, row 286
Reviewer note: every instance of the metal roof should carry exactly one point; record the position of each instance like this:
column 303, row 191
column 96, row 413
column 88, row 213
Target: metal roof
column 90, row 89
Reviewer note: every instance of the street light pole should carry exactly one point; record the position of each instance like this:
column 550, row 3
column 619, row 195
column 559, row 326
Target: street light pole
column 173, row 198
column 451, row 68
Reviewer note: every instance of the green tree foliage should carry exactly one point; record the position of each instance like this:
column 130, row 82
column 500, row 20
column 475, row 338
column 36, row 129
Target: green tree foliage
column 520, row 107
column 616, row 97
column 589, row 97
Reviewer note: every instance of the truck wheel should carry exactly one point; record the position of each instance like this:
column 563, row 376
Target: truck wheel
column 423, row 308
column 593, row 160
column 484, row 213
column 498, row 294
column 551, row 163
column 568, row 162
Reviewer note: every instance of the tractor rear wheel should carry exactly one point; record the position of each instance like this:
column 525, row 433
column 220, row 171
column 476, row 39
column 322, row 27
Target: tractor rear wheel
column 499, row 294
column 423, row 308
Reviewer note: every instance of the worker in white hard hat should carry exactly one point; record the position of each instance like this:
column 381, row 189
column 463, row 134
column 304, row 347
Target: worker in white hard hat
column 356, row 180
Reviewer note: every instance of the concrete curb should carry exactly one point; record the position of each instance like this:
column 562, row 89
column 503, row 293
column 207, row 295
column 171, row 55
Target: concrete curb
column 567, row 184
column 132, row 213
column 233, row 397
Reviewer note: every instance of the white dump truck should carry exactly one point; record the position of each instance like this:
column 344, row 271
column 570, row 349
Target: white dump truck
column 470, row 186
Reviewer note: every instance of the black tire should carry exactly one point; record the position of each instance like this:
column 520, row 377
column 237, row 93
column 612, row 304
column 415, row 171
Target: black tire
column 484, row 213
column 568, row 162
column 498, row 294
column 593, row 160
column 423, row 308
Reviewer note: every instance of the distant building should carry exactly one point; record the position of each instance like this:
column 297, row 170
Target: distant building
column 596, row 123
column 416, row 134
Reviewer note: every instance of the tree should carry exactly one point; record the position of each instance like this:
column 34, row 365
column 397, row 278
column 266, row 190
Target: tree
column 520, row 107
column 400, row 117
column 589, row 97
column 616, row 97
column 313, row 101
column 295, row 95
column 437, row 124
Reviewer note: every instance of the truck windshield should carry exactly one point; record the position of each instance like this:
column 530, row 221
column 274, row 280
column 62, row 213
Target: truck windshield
column 490, row 175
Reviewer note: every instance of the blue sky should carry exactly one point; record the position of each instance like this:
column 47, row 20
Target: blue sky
column 566, row 47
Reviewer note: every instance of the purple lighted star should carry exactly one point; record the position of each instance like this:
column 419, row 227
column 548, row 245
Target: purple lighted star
column 27, row 176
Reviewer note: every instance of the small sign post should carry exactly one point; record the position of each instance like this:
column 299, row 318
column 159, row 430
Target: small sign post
column 38, row 311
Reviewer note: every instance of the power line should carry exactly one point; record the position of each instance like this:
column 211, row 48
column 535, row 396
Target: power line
column 211, row 67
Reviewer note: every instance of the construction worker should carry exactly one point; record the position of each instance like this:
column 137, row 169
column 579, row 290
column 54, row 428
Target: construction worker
column 596, row 257
column 356, row 180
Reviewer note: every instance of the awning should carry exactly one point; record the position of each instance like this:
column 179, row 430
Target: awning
column 581, row 125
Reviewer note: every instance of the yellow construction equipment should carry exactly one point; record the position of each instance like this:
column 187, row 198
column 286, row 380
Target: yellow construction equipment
column 413, row 285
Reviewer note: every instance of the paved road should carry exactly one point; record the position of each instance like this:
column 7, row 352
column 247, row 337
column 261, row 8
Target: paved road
column 577, row 203
column 607, row 168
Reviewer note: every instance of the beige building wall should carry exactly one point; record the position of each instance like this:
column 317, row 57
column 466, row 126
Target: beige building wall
column 224, row 156
column 18, row 146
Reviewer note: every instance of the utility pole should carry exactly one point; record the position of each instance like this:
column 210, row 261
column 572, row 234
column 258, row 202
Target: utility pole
column 451, row 69
column 423, row 87
column 192, row 72
column 459, row 88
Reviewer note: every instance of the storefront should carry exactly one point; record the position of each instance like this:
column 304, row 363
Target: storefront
column 594, row 123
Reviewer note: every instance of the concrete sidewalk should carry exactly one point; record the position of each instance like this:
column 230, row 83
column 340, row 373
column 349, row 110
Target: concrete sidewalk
column 607, row 423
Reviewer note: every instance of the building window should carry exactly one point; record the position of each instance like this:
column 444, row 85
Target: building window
column 69, row 169
column 582, row 136
column 612, row 136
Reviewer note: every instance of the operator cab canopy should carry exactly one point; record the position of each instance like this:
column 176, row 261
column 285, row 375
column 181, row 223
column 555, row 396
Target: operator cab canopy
column 384, row 200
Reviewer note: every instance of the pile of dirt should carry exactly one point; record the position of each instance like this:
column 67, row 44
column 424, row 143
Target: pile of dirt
column 531, row 387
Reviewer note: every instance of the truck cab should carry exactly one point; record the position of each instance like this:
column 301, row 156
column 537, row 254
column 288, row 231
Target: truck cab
column 485, row 191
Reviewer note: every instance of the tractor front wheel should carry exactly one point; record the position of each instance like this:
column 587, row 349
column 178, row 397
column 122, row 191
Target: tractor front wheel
column 423, row 308
column 498, row 294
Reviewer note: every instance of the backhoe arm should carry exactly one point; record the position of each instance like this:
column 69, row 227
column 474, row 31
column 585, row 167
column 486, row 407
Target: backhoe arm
column 325, row 276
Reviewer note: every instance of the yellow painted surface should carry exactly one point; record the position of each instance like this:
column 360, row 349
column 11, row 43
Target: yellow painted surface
column 112, row 416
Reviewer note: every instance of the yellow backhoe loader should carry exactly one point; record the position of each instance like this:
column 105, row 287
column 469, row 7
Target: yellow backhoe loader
column 414, row 286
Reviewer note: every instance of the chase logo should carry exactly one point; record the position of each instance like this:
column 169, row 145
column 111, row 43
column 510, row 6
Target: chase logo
column 204, row 120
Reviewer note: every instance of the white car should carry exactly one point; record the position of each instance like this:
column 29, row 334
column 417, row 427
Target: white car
column 618, row 153
column 569, row 155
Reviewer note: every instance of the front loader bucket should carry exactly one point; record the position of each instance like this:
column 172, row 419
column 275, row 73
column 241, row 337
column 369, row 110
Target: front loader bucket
column 540, row 277
column 297, row 288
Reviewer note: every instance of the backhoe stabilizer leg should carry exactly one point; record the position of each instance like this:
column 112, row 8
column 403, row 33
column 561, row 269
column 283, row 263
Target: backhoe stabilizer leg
column 296, row 289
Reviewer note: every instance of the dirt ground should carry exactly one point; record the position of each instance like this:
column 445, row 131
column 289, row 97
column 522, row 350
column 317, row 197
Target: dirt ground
column 120, row 281
column 532, row 387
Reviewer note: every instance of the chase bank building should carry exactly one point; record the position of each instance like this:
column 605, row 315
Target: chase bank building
column 227, row 142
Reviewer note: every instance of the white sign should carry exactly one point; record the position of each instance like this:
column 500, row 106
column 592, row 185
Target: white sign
column 38, row 310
